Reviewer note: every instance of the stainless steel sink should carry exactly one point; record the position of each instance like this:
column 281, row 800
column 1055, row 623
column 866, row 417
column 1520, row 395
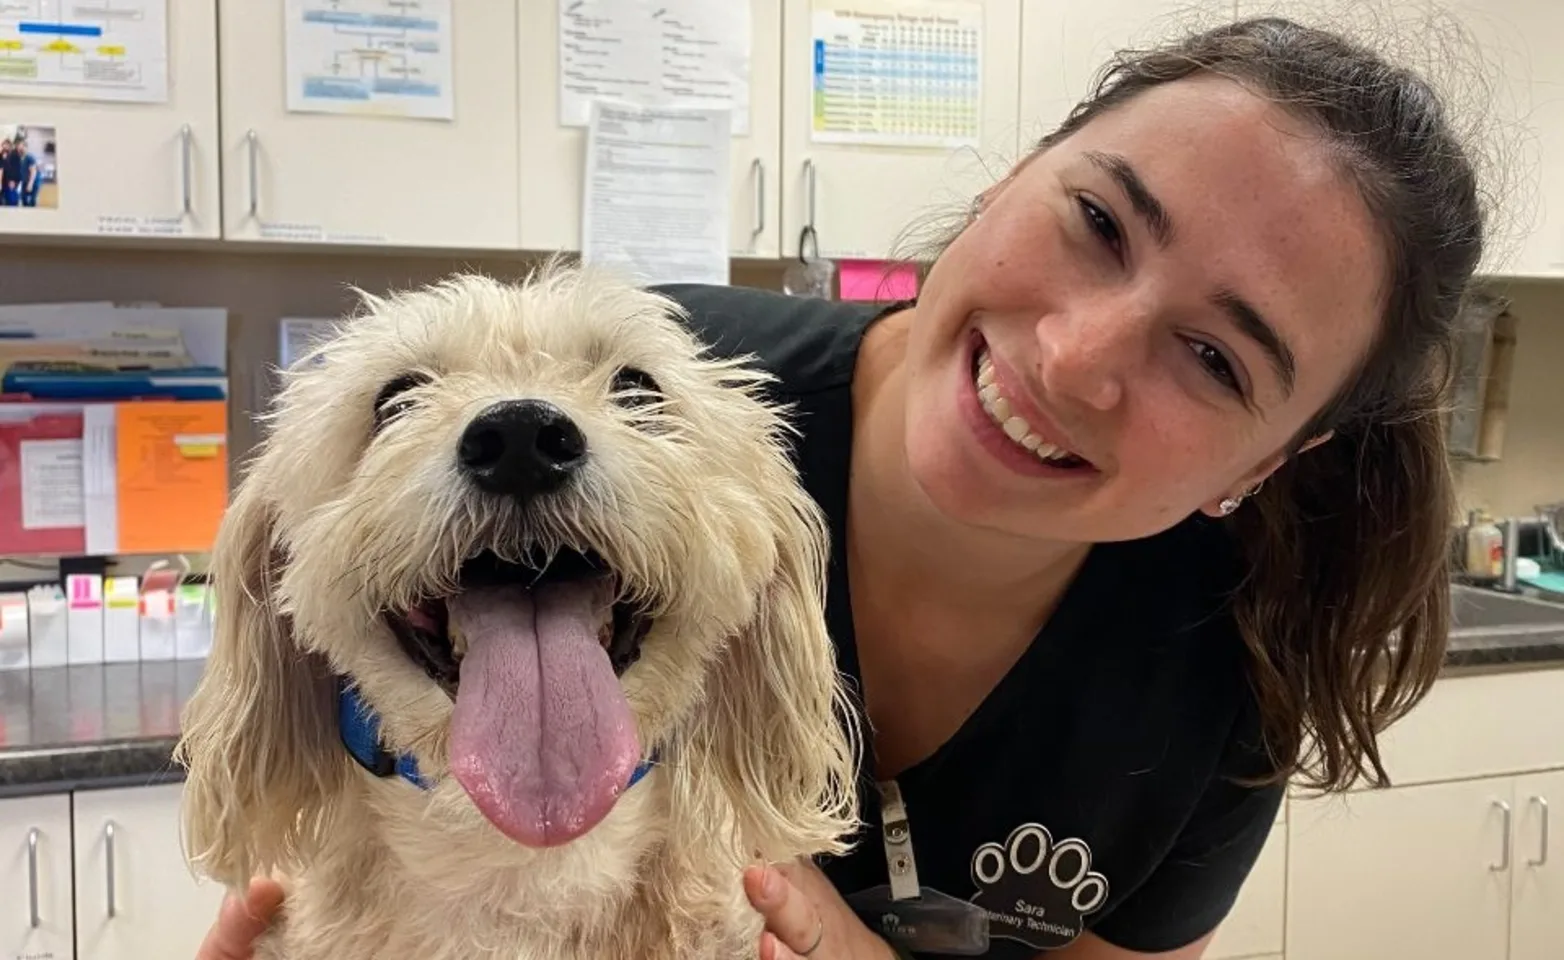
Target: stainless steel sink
column 1477, row 610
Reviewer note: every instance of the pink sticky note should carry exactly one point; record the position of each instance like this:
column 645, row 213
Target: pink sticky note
column 877, row 280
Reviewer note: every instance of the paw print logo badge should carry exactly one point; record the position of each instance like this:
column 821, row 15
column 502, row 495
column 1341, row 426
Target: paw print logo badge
column 1035, row 890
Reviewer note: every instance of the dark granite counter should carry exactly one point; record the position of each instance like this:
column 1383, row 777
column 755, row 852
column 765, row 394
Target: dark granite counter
column 62, row 728
column 67, row 728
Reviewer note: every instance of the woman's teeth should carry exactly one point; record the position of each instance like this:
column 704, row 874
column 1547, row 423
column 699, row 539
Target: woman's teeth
column 1017, row 429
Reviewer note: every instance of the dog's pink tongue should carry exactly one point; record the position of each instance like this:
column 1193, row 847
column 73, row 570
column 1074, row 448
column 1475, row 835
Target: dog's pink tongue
column 542, row 739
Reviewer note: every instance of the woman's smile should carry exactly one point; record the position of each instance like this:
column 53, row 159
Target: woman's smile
column 1011, row 425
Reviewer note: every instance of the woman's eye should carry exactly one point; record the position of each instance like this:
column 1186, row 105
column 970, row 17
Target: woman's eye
column 1217, row 364
column 1102, row 224
column 390, row 401
column 634, row 387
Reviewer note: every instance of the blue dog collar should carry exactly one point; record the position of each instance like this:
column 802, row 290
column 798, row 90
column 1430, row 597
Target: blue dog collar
column 359, row 727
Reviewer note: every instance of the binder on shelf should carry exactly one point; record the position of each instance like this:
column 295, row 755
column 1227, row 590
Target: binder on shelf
column 121, row 620
column 15, row 639
column 47, row 643
column 84, row 618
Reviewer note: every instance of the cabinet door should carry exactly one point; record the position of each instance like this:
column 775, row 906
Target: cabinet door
column 863, row 199
column 1522, row 130
column 135, row 895
column 35, row 873
column 1537, row 915
column 358, row 179
column 1067, row 43
column 553, row 155
column 1255, row 925
column 123, row 168
column 1408, row 872
column 1507, row 80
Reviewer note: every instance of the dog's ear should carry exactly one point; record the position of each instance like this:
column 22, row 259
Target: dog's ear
column 777, row 734
column 257, row 733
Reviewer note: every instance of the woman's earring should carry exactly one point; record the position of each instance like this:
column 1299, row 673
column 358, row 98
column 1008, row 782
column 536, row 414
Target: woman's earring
column 1228, row 505
column 976, row 210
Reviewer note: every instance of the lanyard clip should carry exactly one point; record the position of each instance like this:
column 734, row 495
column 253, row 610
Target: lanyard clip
column 896, row 834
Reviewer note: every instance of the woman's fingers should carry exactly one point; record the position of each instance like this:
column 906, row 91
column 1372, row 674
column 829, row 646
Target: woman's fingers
column 241, row 922
column 792, row 920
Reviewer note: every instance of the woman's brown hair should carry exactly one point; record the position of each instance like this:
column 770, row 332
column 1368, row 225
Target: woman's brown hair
column 1346, row 607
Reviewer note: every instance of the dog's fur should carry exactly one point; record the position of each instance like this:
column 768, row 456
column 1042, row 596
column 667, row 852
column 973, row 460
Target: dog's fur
column 695, row 503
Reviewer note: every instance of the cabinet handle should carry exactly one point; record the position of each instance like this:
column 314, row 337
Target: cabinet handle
column 255, row 192
column 760, row 196
column 1542, row 858
column 809, row 193
column 184, row 166
column 1504, row 852
column 32, row 877
column 108, row 857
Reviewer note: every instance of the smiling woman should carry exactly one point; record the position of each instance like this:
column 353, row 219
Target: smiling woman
column 1089, row 648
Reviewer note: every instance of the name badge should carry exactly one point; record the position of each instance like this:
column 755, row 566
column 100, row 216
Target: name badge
column 931, row 922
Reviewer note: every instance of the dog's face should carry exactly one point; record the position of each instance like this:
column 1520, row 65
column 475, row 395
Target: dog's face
column 547, row 539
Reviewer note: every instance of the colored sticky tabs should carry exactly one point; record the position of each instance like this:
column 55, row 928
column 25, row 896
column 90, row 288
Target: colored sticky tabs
column 877, row 280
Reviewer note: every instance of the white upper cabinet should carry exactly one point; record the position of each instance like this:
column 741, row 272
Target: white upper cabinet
column 553, row 153
column 862, row 198
column 395, row 180
column 120, row 167
column 1498, row 63
column 1066, row 44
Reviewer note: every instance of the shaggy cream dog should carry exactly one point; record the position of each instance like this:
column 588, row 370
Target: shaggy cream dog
column 558, row 555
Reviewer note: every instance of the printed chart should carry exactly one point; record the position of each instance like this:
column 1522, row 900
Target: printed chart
column 115, row 50
column 663, row 53
column 905, row 74
column 376, row 57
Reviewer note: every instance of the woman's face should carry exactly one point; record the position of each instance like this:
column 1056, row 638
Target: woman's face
column 1166, row 298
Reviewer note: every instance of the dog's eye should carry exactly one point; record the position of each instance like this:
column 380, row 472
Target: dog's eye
column 390, row 401
column 634, row 387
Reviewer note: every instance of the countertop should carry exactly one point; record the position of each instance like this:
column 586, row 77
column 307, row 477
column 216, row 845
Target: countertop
column 63, row 728
column 67, row 728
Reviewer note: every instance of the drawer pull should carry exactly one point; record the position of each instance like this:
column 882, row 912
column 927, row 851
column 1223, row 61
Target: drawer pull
column 760, row 196
column 1542, row 858
column 32, row 878
column 1504, row 851
column 108, row 858
column 184, row 167
column 255, row 188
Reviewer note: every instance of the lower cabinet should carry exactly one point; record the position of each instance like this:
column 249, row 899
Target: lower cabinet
column 36, row 913
column 120, row 851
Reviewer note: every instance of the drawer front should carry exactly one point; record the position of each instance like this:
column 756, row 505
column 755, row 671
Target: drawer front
column 1480, row 725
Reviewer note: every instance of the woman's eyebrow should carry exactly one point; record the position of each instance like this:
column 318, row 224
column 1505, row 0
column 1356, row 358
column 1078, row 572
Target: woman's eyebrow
column 1254, row 326
column 1145, row 203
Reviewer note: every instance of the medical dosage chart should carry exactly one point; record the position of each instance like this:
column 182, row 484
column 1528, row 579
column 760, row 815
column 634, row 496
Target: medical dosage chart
column 380, row 57
column 85, row 49
column 897, row 73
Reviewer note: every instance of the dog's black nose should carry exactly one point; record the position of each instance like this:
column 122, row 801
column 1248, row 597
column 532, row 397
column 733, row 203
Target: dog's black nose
column 521, row 448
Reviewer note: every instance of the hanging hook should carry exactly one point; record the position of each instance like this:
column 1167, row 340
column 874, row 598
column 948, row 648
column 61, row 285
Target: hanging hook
column 808, row 238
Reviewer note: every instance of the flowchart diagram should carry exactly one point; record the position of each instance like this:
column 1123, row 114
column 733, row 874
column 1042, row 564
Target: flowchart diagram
column 378, row 57
column 85, row 49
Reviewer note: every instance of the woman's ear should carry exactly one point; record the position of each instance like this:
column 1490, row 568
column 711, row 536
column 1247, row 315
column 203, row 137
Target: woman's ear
column 1253, row 481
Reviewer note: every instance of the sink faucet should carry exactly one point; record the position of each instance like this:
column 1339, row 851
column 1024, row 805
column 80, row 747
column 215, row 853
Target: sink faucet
column 1510, row 527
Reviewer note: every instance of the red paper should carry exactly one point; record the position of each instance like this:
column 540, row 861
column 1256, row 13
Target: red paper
column 17, row 487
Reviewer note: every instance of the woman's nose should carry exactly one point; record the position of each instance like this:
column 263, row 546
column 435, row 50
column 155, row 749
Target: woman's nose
column 1088, row 353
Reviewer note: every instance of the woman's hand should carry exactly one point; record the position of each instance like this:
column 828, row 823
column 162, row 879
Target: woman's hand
column 806, row 918
column 241, row 922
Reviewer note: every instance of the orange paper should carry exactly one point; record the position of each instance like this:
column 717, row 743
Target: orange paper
column 172, row 485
